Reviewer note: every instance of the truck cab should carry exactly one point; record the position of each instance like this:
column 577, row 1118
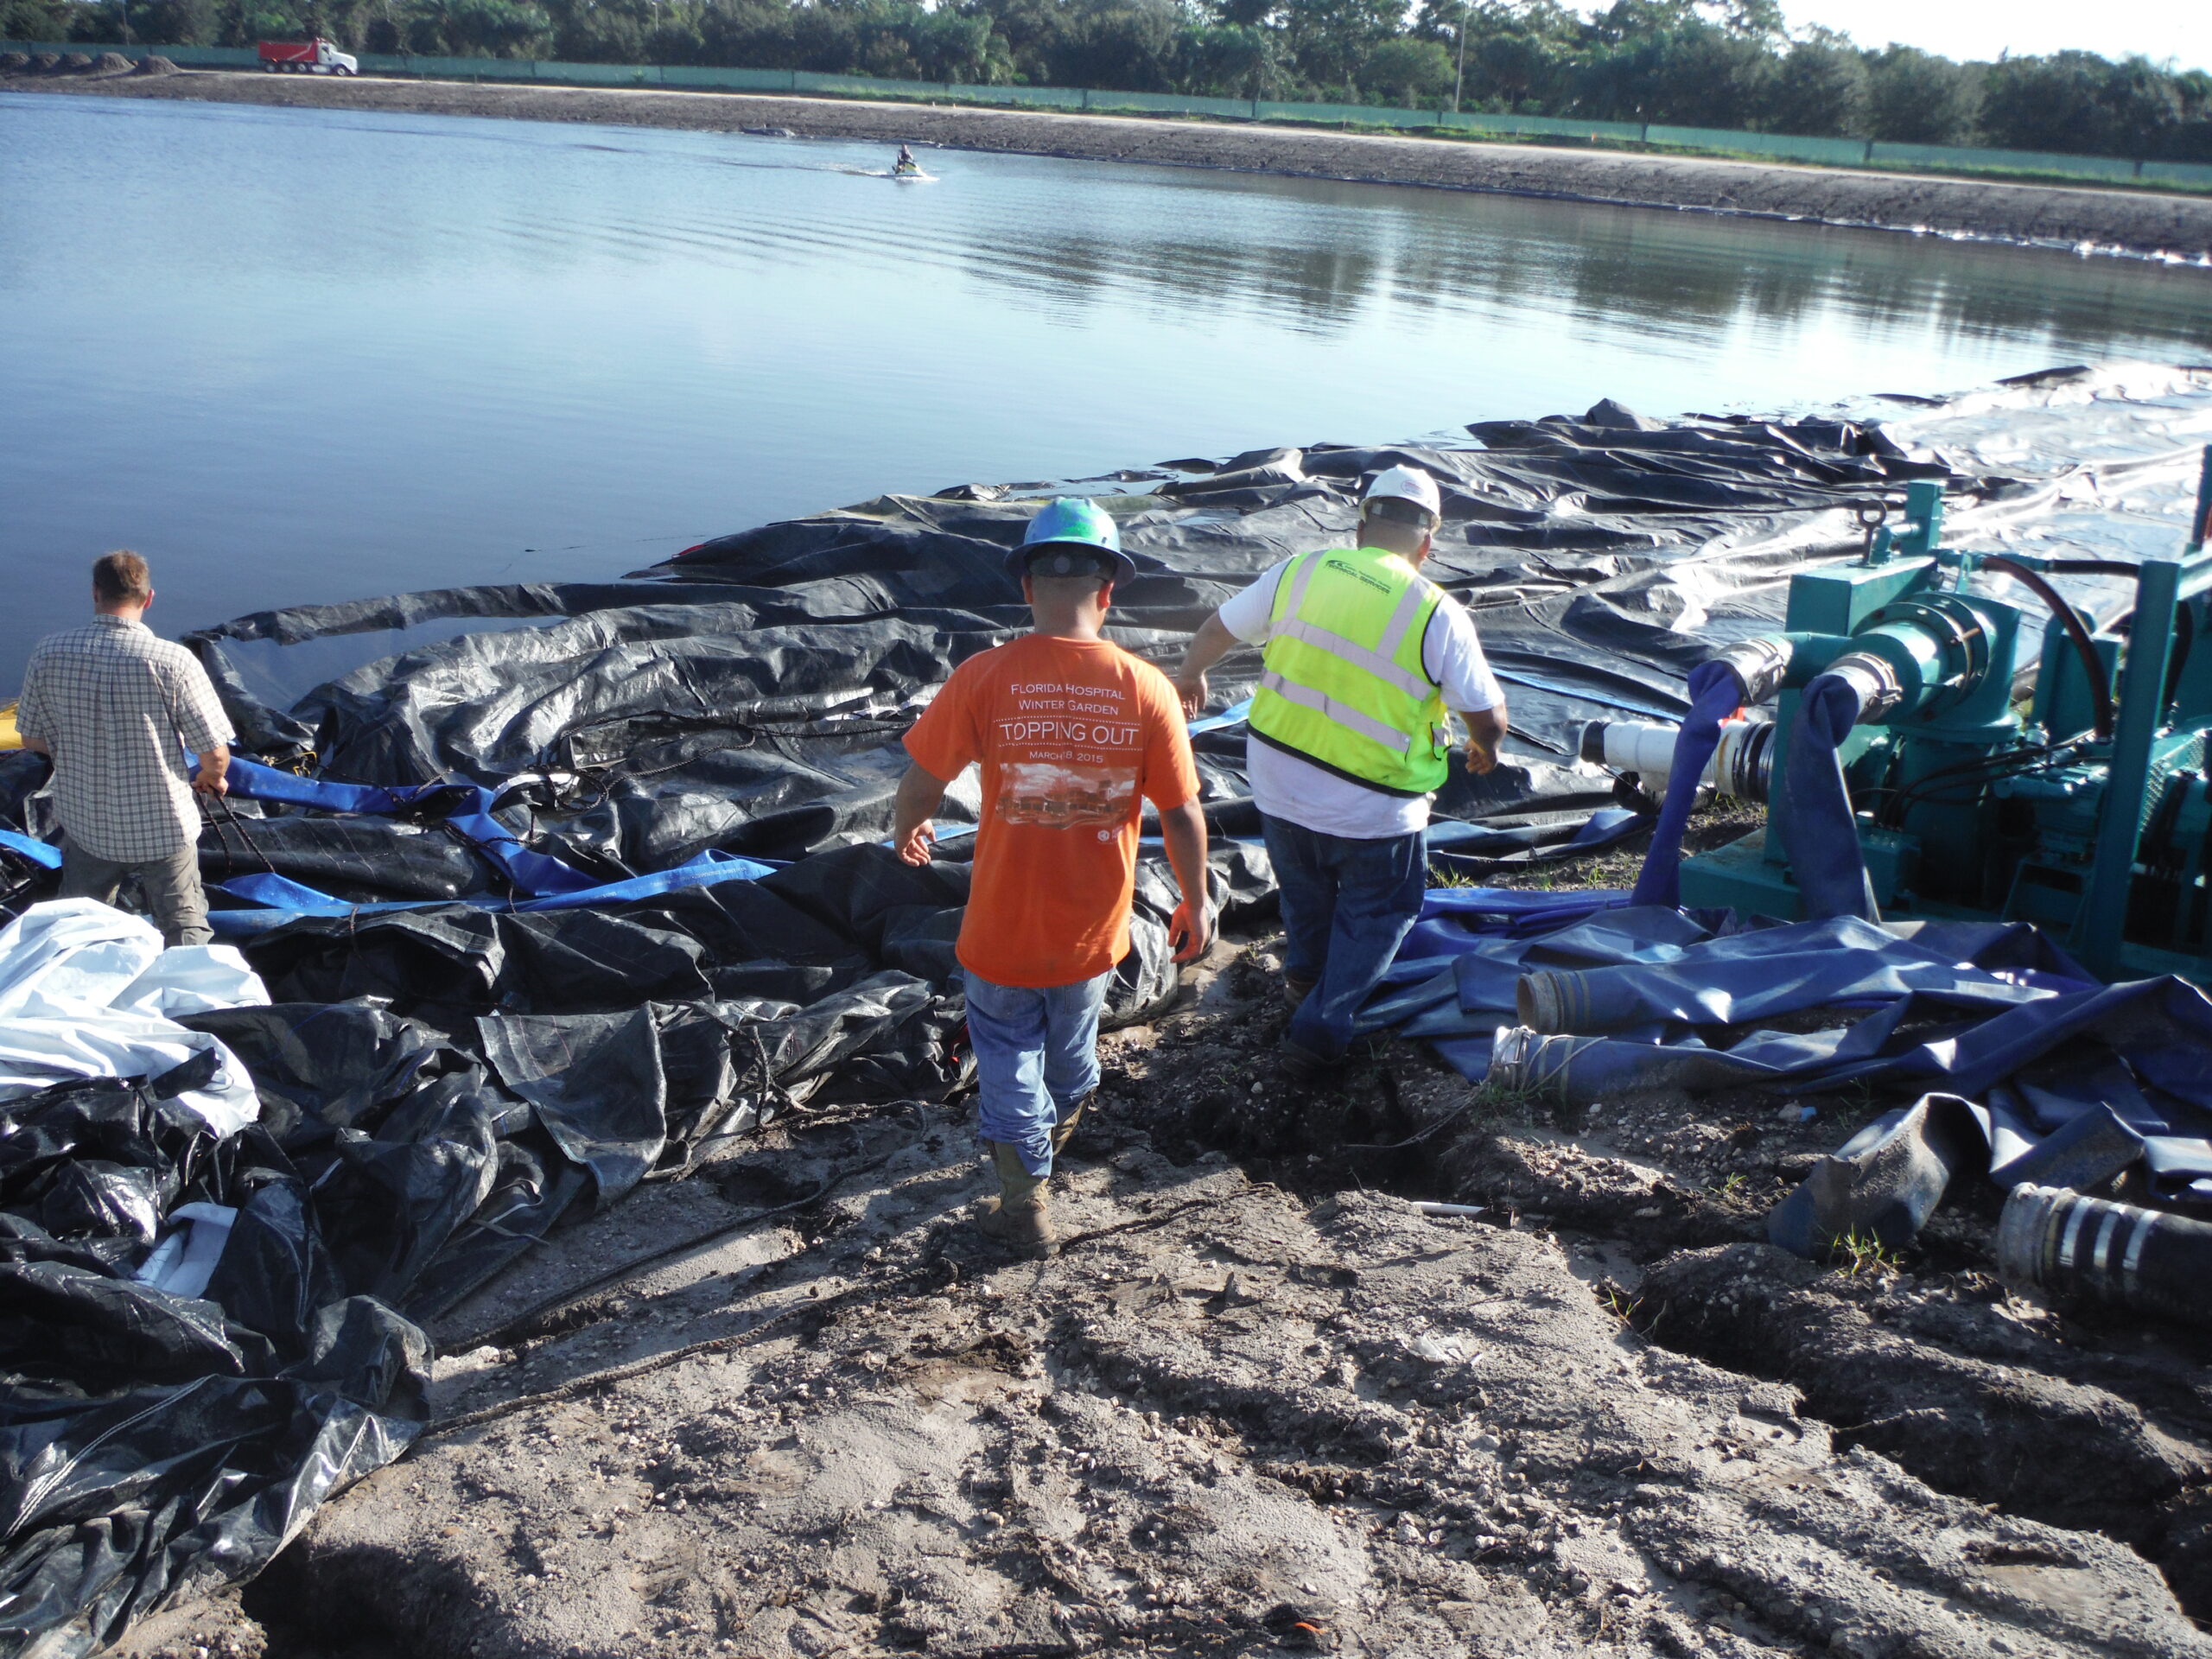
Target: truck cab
column 315, row 57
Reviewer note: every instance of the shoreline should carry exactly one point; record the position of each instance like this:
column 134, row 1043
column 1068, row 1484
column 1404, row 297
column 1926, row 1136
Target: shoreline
column 2073, row 219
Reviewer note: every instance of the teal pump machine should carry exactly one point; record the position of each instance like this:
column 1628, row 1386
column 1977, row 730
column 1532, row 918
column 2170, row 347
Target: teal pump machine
column 2081, row 802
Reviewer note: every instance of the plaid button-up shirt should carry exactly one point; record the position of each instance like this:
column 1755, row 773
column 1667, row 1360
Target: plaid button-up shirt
column 117, row 705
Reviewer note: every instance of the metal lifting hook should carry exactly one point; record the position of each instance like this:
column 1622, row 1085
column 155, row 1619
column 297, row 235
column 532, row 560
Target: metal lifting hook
column 1871, row 515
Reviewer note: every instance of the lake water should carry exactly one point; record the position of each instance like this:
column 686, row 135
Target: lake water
column 295, row 356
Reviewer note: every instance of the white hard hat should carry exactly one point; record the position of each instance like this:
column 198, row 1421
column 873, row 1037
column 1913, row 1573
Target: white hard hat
column 1407, row 484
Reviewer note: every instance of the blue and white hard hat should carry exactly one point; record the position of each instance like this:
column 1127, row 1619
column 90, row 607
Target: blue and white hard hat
column 1072, row 536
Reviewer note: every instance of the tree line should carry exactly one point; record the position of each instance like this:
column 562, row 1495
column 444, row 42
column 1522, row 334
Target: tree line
column 1704, row 63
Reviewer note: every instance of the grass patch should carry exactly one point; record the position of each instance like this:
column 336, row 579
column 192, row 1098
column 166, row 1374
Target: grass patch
column 1861, row 1254
column 1500, row 1104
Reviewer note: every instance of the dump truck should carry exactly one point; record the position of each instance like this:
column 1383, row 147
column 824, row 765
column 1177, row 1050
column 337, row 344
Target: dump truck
column 315, row 57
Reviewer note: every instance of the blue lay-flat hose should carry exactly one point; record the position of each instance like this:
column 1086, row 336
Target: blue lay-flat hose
column 1814, row 818
column 1716, row 692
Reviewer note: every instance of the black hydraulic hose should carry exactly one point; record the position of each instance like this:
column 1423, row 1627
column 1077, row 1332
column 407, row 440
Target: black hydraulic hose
column 2077, row 630
column 2092, row 568
column 2185, row 618
column 1969, row 775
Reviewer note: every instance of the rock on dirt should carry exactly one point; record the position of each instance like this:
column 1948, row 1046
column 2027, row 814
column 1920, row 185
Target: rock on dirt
column 2139, row 221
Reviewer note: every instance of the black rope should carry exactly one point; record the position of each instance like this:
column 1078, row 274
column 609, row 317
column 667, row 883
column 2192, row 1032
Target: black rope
column 768, row 1090
column 224, row 817
column 502, row 1335
column 884, row 1285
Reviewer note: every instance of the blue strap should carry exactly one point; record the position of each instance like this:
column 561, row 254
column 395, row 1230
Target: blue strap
column 709, row 869
column 282, row 893
column 285, row 898
column 531, row 873
column 37, row 851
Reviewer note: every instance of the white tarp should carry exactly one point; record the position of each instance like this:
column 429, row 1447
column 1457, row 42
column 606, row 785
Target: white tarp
column 86, row 991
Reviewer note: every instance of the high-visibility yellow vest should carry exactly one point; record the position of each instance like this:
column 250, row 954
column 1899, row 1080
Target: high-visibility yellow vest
column 1342, row 683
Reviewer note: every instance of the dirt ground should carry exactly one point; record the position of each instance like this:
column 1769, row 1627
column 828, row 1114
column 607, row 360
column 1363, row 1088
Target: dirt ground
column 1259, row 1401
column 2141, row 222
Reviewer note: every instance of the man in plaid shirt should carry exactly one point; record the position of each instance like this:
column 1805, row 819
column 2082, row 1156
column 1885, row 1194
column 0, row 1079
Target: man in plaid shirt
column 116, row 707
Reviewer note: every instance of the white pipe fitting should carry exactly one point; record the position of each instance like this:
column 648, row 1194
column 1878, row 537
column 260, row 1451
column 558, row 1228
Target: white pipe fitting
column 1739, row 767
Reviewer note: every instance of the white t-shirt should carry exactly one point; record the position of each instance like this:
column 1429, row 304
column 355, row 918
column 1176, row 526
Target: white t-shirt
column 1284, row 786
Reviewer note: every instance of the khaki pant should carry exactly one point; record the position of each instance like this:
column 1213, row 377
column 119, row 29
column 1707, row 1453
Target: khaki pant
column 171, row 886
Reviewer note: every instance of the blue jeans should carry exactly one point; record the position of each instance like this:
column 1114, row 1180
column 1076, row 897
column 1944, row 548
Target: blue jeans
column 1036, row 1056
column 1347, row 907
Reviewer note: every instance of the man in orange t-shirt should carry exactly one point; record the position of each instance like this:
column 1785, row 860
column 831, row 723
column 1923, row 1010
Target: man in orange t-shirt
column 1074, row 735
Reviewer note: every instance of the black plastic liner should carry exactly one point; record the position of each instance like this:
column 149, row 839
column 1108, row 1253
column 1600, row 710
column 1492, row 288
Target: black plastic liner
column 442, row 1085
column 749, row 696
column 152, row 1444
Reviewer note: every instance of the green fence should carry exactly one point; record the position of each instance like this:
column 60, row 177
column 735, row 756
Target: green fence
column 1233, row 109
column 1548, row 126
column 1043, row 98
column 1835, row 152
column 2016, row 160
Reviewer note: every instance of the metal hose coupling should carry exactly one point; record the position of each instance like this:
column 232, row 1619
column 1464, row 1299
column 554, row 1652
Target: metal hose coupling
column 1759, row 666
column 2083, row 1249
column 1877, row 684
column 1523, row 1061
column 1549, row 1002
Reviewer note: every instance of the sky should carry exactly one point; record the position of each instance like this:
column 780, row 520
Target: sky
column 2181, row 30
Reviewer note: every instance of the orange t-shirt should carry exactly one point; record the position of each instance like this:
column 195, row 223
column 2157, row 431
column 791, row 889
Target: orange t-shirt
column 1071, row 734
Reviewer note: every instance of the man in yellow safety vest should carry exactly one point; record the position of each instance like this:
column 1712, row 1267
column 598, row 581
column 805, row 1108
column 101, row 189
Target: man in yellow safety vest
column 1362, row 657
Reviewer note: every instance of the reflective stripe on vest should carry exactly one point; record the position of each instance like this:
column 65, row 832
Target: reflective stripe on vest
column 1329, row 708
column 1367, row 711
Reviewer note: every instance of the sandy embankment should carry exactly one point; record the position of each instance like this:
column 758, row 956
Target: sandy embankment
column 2134, row 221
column 1241, row 1414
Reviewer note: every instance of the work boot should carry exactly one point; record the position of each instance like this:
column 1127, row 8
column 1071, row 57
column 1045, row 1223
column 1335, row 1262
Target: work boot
column 1063, row 1131
column 1296, row 988
column 1019, row 1214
